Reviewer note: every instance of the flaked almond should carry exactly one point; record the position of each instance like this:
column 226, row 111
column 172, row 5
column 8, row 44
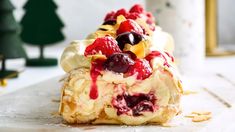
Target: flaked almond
column 188, row 92
column 201, row 118
column 120, row 19
column 201, row 112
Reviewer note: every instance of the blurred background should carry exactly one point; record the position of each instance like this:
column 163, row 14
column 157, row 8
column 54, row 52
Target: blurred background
column 226, row 23
column 199, row 28
column 81, row 17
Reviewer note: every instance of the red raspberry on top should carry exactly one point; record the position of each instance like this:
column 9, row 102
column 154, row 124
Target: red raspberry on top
column 129, row 26
column 110, row 15
column 141, row 68
column 133, row 16
column 137, row 8
column 121, row 12
column 150, row 18
column 105, row 45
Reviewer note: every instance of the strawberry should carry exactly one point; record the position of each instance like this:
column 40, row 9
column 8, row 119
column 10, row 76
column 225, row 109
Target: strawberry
column 129, row 26
column 137, row 8
column 141, row 68
column 105, row 45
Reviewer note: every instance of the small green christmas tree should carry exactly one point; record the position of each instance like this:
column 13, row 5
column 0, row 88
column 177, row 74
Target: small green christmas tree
column 10, row 43
column 41, row 26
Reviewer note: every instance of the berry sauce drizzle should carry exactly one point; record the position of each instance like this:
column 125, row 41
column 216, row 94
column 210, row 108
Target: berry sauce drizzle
column 154, row 54
column 96, row 68
column 169, row 55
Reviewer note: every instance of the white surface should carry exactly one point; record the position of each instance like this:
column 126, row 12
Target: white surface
column 31, row 109
column 76, row 13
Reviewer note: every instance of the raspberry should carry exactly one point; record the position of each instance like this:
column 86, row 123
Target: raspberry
column 154, row 54
column 105, row 45
column 137, row 8
column 150, row 19
column 119, row 62
column 133, row 16
column 149, row 15
column 121, row 12
column 141, row 68
column 129, row 26
column 109, row 16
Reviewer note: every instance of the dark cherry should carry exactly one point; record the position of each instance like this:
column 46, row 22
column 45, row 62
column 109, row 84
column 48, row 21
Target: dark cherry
column 128, row 37
column 119, row 62
column 131, row 54
column 143, row 106
column 120, row 104
column 134, row 100
column 110, row 22
column 136, row 103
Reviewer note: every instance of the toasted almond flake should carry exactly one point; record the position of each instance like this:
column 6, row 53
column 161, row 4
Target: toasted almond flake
column 120, row 19
column 180, row 87
column 167, row 125
column 201, row 112
column 190, row 116
column 99, row 33
column 188, row 92
column 55, row 113
column 55, row 100
column 201, row 118
column 144, row 25
column 98, row 56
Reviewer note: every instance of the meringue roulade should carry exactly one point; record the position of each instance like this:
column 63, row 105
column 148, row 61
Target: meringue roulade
column 120, row 75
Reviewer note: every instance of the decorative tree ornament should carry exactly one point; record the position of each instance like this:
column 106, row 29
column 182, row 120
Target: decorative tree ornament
column 10, row 42
column 41, row 26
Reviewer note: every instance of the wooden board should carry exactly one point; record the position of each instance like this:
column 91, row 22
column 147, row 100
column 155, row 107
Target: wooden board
column 32, row 108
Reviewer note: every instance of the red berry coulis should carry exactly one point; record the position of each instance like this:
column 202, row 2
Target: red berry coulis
column 96, row 68
column 154, row 54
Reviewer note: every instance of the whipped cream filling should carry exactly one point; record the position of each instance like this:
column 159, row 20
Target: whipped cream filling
column 162, row 41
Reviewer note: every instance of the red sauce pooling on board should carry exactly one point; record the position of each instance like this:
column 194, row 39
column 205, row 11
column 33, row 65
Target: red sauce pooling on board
column 154, row 54
column 96, row 68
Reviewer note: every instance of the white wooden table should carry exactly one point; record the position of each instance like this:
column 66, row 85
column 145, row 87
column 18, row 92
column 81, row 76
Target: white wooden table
column 27, row 102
